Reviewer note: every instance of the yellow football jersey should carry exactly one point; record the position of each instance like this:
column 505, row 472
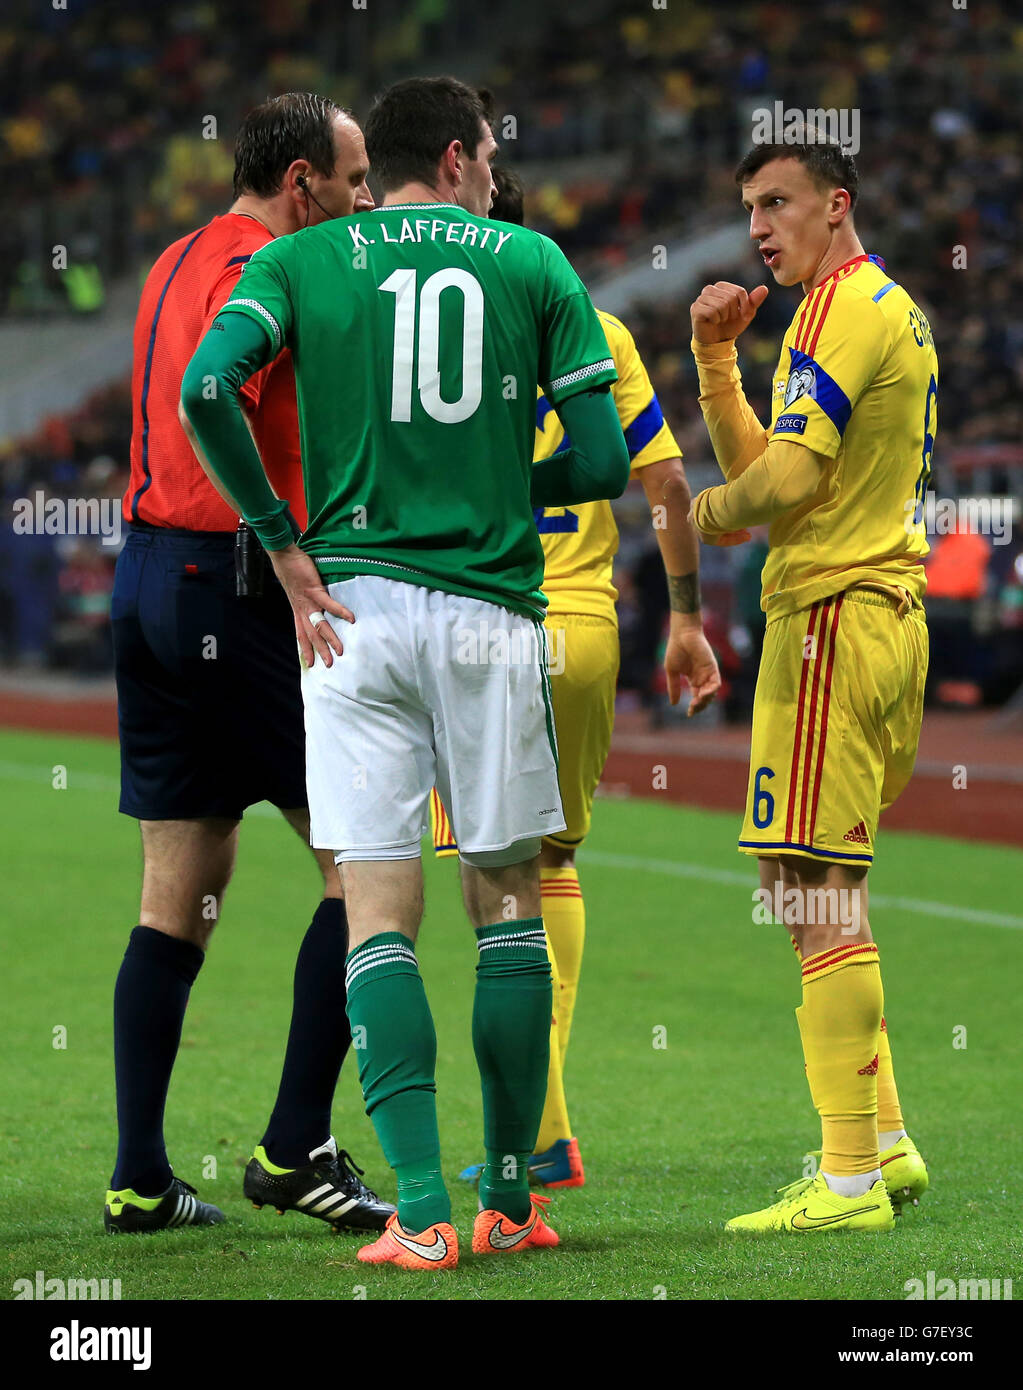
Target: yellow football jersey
column 857, row 381
column 580, row 542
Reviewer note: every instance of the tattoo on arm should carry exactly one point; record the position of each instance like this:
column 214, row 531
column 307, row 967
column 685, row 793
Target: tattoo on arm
column 684, row 593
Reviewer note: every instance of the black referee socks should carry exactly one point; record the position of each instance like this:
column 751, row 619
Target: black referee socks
column 150, row 999
column 319, row 1038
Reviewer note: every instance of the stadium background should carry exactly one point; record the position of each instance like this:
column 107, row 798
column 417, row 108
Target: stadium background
column 625, row 123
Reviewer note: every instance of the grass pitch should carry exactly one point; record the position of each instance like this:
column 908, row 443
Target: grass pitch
column 675, row 1138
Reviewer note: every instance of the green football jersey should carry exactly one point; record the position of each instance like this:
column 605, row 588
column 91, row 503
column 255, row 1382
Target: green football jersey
column 419, row 333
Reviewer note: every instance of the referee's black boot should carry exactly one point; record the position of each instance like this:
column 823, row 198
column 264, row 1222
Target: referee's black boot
column 178, row 1206
column 328, row 1187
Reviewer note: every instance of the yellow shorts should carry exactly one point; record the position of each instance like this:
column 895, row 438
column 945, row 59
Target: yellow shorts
column 584, row 672
column 836, row 723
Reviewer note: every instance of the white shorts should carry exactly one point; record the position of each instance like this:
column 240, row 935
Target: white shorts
column 433, row 689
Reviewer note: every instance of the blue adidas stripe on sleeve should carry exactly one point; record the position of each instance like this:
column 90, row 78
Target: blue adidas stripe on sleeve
column 820, row 387
column 647, row 424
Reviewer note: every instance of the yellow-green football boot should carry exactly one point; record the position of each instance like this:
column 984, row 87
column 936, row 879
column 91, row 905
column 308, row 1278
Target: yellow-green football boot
column 904, row 1173
column 809, row 1205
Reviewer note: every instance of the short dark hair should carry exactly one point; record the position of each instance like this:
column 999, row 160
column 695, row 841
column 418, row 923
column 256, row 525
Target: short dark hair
column 412, row 123
column 507, row 206
column 486, row 97
column 297, row 125
column 827, row 163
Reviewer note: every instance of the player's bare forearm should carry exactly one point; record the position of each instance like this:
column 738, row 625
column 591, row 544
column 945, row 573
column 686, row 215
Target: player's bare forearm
column 669, row 498
column 687, row 652
column 684, row 598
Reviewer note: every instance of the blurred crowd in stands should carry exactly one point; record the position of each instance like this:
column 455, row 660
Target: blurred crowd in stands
column 626, row 129
column 55, row 588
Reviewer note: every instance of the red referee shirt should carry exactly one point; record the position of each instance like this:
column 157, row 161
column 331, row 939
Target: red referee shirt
column 182, row 295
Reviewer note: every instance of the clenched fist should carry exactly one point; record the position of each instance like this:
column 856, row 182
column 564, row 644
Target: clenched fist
column 722, row 311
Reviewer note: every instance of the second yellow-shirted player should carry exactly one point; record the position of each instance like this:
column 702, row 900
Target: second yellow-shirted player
column 580, row 544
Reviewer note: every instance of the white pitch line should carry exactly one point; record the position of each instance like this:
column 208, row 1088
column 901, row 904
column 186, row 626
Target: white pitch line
column 100, row 781
column 750, row 881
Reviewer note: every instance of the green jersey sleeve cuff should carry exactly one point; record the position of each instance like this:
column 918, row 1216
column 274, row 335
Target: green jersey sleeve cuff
column 274, row 532
column 262, row 315
column 601, row 373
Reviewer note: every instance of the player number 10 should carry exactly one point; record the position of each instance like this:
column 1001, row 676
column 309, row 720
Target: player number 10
column 402, row 284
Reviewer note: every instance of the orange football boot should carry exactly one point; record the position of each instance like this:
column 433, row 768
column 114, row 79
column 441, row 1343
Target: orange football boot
column 493, row 1233
column 434, row 1248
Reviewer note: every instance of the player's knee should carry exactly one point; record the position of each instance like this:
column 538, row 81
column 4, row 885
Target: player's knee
column 502, row 891
column 555, row 856
column 183, row 907
column 822, row 905
column 382, row 895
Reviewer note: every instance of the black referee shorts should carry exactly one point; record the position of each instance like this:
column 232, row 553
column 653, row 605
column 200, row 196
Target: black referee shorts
column 208, row 685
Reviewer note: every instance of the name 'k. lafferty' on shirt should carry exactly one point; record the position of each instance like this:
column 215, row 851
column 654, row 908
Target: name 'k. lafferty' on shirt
column 419, row 229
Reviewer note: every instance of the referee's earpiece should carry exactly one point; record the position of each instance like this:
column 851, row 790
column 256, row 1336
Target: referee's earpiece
column 300, row 179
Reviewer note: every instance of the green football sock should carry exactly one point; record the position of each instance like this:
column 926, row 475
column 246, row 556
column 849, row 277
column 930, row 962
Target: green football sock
column 422, row 1197
column 394, row 1038
column 511, row 1025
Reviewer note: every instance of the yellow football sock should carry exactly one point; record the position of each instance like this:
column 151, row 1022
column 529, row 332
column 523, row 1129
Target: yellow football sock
column 564, row 918
column 889, row 1112
column 554, row 1121
column 839, row 1022
column 564, row 915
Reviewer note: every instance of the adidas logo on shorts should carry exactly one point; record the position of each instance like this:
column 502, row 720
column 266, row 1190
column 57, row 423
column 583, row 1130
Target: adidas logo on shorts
column 857, row 835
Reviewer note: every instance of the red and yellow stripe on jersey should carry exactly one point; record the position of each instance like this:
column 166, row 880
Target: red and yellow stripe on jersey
column 857, row 382
column 580, row 543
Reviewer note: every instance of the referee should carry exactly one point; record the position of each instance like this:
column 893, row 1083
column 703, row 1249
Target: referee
column 209, row 702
